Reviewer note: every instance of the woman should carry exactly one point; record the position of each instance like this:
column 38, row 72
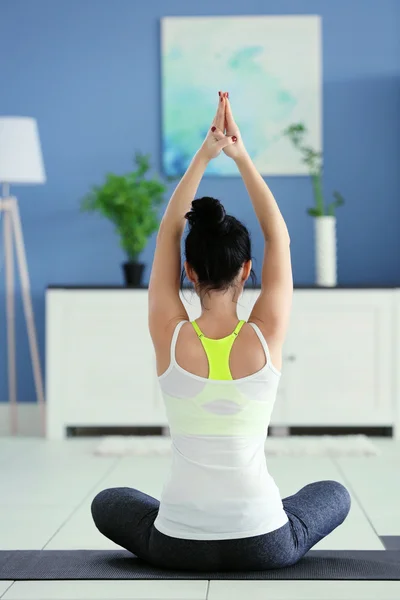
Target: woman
column 220, row 508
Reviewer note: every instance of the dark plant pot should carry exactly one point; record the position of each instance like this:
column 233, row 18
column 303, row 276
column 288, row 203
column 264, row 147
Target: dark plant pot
column 133, row 273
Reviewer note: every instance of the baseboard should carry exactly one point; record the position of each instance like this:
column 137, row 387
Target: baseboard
column 370, row 431
column 28, row 419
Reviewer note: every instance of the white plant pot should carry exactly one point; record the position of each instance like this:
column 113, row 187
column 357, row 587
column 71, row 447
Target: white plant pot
column 325, row 251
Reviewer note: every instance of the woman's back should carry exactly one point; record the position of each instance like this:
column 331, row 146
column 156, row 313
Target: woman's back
column 219, row 486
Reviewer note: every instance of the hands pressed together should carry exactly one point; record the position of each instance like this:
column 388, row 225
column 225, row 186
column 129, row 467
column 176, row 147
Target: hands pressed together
column 224, row 133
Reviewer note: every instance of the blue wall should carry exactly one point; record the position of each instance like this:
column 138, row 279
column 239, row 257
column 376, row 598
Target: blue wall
column 88, row 70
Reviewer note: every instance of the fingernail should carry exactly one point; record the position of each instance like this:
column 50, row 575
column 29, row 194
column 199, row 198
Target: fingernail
column 213, row 128
column 227, row 94
column 219, row 94
column 234, row 138
column 222, row 98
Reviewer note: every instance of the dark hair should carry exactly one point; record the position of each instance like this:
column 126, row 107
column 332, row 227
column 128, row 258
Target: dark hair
column 216, row 246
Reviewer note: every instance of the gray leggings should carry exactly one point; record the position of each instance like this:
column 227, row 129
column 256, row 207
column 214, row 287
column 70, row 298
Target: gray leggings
column 126, row 516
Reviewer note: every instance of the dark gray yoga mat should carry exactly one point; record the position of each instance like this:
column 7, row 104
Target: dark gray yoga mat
column 17, row 565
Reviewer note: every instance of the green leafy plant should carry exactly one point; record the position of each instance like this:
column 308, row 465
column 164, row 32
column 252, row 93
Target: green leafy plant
column 313, row 160
column 129, row 201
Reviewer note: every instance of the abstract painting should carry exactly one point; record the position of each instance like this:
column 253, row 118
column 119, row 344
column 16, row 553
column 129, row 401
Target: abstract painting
column 271, row 66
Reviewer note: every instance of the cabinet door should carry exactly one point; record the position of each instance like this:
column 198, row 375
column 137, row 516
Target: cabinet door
column 337, row 359
column 109, row 375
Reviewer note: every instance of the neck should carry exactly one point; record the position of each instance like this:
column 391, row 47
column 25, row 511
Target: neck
column 221, row 305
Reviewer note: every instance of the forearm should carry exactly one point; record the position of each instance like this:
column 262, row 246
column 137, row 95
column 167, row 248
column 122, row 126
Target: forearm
column 267, row 210
column 181, row 199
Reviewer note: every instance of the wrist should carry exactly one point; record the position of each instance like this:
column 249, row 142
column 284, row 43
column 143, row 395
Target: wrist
column 242, row 159
column 201, row 157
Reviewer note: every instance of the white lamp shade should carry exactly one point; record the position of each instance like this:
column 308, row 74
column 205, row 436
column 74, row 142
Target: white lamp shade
column 20, row 153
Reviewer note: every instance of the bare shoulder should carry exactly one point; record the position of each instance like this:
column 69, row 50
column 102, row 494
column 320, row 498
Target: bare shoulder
column 190, row 353
column 162, row 341
column 274, row 342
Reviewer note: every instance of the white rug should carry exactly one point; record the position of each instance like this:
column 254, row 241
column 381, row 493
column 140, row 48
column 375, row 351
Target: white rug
column 346, row 445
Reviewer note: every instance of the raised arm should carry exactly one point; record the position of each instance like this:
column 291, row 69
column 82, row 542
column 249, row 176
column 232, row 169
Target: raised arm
column 271, row 312
column 165, row 305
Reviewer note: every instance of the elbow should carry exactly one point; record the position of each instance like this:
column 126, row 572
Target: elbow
column 169, row 230
column 281, row 237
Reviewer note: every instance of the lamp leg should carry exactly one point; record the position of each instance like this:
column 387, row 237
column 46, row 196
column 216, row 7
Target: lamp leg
column 28, row 310
column 10, row 313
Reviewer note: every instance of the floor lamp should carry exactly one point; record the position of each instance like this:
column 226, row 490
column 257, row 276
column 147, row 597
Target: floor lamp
column 20, row 163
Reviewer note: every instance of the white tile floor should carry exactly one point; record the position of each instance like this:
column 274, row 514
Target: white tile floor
column 47, row 488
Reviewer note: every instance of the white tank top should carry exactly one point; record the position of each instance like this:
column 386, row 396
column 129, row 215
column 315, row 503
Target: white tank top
column 219, row 486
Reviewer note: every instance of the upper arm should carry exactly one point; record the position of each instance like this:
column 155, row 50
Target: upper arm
column 165, row 305
column 272, row 309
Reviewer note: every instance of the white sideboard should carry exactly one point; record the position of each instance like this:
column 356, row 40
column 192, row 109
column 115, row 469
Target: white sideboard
column 339, row 363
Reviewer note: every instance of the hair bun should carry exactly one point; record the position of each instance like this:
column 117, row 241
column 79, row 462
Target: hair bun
column 207, row 213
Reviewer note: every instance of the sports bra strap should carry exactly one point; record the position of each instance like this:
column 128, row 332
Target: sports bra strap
column 238, row 327
column 218, row 351
column 197, row 329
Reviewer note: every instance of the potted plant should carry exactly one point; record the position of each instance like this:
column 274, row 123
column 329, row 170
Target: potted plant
column 130, row 201
column 325, row 215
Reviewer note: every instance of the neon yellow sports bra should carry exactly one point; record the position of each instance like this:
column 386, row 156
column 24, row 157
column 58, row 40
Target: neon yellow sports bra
column 218, row 352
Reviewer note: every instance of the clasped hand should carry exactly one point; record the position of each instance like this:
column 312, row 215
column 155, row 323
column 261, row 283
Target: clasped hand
column 224, row 133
